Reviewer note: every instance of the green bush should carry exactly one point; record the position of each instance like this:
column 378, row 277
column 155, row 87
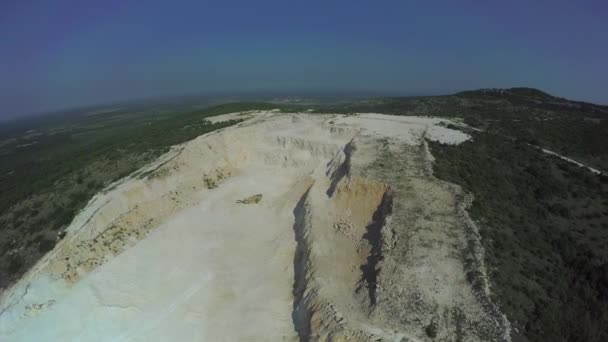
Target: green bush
column 431, row 330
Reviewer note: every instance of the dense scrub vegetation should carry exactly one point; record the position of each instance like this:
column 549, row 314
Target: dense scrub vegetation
column 544, row 225
column 48, row 174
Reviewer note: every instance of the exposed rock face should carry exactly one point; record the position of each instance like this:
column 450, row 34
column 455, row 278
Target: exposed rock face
column 403, row 261
column 354, row 240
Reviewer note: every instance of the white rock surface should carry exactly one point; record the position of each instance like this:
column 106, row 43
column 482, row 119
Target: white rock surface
column 174, row 257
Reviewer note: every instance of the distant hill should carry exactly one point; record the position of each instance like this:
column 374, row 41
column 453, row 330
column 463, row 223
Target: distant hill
column 534, row 97
column 521, row 91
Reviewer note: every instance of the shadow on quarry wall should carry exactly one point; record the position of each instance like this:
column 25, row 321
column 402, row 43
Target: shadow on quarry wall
column 373, row 236
column 342, row 170
column 301, row 312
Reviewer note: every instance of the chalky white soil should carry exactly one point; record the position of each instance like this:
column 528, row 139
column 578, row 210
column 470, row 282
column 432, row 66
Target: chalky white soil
column 352, row 238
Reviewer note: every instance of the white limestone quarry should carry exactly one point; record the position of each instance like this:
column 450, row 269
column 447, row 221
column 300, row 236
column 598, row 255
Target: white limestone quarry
column 177, row 252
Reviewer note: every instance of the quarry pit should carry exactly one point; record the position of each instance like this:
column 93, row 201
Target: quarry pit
column 284, row 227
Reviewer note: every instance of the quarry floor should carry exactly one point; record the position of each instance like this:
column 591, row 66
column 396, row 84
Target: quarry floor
column 285, row 227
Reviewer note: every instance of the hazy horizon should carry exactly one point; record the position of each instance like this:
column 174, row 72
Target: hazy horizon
column 68, row 54
column 240, row 96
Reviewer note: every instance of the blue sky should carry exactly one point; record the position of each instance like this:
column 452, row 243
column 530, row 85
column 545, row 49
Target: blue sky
column 59, row 54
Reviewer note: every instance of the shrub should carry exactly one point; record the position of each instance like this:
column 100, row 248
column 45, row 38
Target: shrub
column 431, row 330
